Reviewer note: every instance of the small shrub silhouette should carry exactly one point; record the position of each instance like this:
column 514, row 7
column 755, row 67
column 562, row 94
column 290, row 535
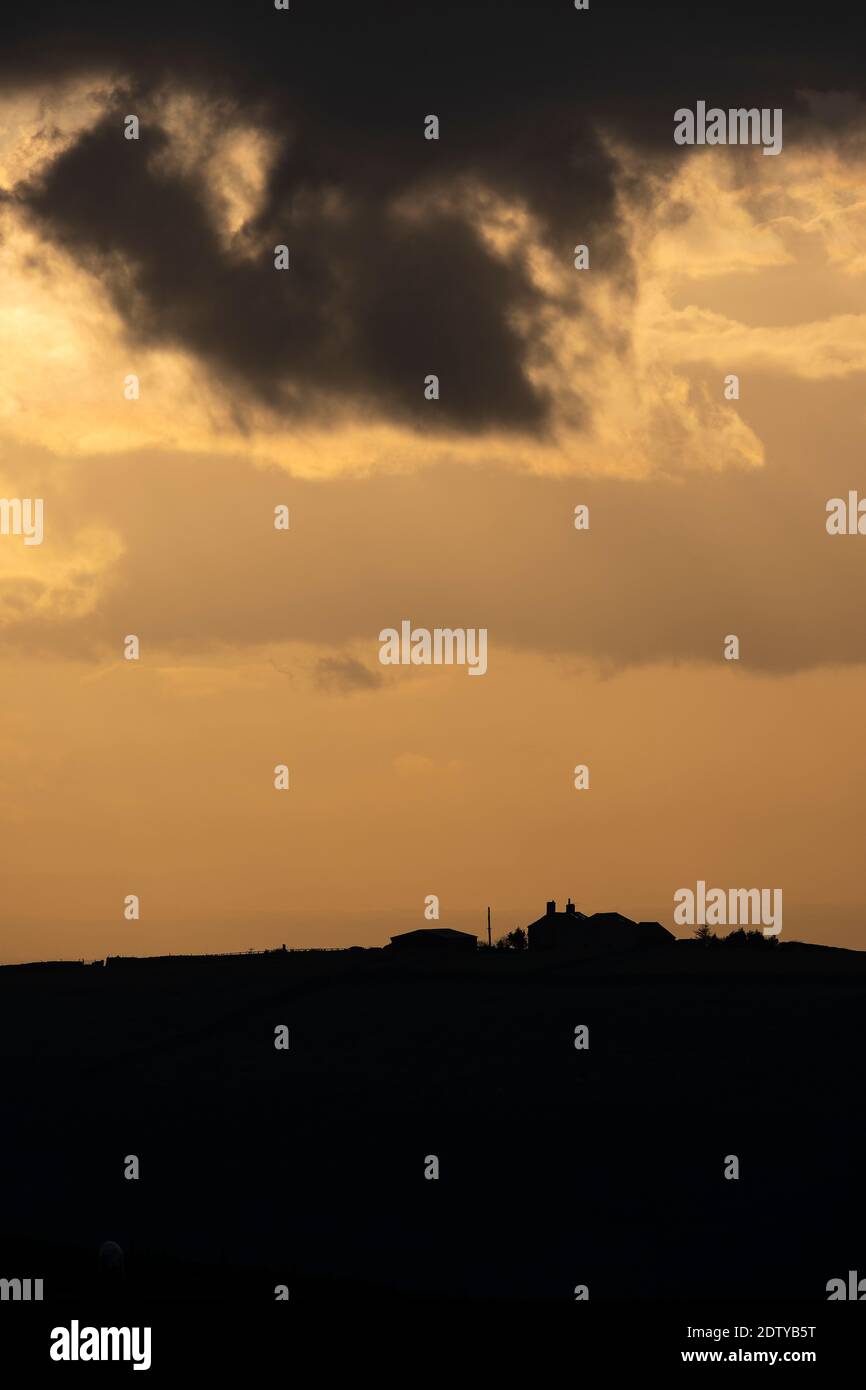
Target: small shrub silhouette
column 512, row 941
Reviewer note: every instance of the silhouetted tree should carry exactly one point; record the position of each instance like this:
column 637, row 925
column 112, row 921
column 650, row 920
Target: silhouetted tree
column 735, row 939
column 704, row 934
column 742, row 938
column 512, row 941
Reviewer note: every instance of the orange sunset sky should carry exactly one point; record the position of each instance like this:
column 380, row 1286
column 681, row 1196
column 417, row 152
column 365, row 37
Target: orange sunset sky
column 260, row 647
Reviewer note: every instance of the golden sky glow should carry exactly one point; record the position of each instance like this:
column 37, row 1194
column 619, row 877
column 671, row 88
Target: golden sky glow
column 707, row 517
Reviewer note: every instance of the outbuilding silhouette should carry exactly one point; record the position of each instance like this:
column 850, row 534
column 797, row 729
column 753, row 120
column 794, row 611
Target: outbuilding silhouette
column 432, row 940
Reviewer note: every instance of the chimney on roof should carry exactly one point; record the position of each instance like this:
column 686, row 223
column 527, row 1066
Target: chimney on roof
column 551, row 908
column 569, row 907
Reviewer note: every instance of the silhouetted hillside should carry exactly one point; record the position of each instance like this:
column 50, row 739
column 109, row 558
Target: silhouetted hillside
column 558, row 1166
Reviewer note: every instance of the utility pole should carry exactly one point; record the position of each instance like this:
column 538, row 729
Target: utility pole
column 489, row 937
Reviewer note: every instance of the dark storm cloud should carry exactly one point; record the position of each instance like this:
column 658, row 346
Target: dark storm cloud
column 373, row 303
column 370, row 306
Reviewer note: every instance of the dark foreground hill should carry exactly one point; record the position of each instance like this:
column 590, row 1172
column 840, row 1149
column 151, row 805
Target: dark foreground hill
column 558, row 1167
